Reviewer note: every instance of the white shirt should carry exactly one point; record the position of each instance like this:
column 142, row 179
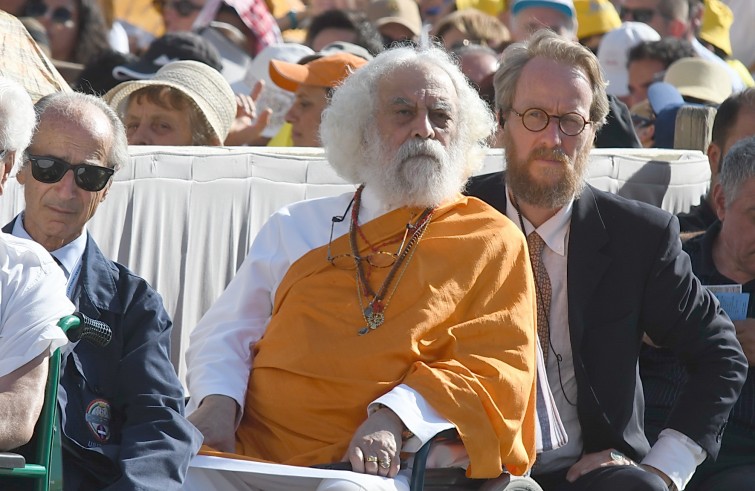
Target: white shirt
column 674, row 454
column 742, row 39
column 32, row 300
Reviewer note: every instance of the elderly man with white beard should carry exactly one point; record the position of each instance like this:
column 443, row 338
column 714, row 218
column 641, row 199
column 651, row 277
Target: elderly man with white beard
column 361, row 325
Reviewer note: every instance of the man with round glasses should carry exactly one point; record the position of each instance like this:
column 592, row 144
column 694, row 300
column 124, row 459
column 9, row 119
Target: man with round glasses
column 361, row 325
column 121, row 405
column 607, row 271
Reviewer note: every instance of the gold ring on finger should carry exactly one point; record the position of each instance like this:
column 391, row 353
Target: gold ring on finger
column 384, row 464
column 370, row 458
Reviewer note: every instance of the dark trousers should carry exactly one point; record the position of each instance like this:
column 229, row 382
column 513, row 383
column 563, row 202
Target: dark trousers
column 610, row 478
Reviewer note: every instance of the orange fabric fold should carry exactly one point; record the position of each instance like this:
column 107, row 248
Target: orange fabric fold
column 459, row 329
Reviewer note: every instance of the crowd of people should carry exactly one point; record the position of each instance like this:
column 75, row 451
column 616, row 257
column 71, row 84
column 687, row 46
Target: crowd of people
column 577, row 341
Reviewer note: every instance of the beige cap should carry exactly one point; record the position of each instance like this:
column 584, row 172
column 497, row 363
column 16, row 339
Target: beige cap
column 201, row 83
column 404, row 12
column 702, row 79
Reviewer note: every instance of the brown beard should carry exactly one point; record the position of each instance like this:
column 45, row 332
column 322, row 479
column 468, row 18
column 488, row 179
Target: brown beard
column 536, row 193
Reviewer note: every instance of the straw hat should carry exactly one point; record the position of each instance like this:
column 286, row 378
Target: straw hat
column 326, row 72
column 699, row 78
column 202, row 84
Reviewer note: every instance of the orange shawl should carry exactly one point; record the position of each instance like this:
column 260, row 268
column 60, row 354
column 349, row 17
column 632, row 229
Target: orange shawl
column 459, row 329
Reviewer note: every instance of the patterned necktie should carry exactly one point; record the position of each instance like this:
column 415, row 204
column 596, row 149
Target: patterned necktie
column 544, row 293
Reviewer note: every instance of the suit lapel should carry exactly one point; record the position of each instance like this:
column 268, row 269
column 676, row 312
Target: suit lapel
column 586, row 261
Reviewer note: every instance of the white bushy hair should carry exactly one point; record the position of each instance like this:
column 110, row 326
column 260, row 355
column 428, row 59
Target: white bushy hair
column 346, row 122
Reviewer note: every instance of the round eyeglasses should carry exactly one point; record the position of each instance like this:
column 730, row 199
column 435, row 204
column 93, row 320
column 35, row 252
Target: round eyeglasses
column 536, row 120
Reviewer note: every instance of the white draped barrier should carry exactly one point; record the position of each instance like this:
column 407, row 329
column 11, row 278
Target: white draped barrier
column 184, row 218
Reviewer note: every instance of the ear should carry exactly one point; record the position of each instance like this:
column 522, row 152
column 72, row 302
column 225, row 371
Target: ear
column 719, row 201
column 106, row 190
column 677, row 28
column 714, row 158
column 21, row 174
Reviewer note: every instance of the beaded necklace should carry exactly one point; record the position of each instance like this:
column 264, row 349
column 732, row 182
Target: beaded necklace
column 374, row 312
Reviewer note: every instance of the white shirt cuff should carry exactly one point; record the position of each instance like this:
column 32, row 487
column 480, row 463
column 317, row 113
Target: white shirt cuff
column 417, row 415
column 675, row 455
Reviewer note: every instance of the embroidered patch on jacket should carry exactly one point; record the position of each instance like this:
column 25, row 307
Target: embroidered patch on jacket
column 98, row 419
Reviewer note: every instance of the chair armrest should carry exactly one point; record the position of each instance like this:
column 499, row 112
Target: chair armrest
column 10, row 460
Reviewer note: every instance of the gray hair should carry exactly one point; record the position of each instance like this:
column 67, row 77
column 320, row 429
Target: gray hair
column 346, row 122
column 549, row 45
column 738, row 167
column 74, row 106
column 17, row 120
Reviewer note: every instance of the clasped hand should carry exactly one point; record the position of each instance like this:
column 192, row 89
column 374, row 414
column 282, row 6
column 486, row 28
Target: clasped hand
column 376, row 445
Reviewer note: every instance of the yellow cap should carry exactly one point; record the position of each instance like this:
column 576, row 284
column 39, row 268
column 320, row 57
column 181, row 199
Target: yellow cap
column 595, row 17
column 717, row 20
column 490, row 7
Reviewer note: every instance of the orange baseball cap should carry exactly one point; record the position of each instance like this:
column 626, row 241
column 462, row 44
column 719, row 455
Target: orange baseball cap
column 326, row 72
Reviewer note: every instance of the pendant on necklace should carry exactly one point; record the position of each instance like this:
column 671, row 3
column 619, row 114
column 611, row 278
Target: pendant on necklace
column 374, row 316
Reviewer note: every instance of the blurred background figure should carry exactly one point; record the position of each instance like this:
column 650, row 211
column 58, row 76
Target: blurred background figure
column 613, row 53
column 273, row 98
column 648, row 62
column 186, row 103
column 742, row 40
column 528, row 16
column 715, row 35
column 312, row 85
column 595, row 18
column 471, row 26
column 397, row 21
column 343, row 25
column 479, row 64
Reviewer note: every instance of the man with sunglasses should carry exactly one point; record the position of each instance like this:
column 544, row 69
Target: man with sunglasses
column 607, row 272
column 31, row 293
column 121, row 405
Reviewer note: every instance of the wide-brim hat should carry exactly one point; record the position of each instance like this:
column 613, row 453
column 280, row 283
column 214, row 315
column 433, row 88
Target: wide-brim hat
column 700, row 79
column 402, row 12
column 204, row 86
column 327, row 72
column 716, row 25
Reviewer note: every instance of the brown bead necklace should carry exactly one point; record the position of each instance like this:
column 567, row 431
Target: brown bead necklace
column 374, row 312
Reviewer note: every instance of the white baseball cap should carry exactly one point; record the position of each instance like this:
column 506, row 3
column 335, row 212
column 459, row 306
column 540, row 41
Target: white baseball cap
column 613, row 50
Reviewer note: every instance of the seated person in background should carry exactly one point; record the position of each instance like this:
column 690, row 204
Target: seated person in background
column 608, row 270
column 735, row 120
column 343, row 25
column 186, row 103
column 349, row 333
column 723, row 255
column 312, row 84
column 121, row 406
column 397, row 21
column 32, row 298
column 471, row 26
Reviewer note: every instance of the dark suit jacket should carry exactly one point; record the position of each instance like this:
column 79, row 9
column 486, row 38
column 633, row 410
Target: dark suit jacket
column 627, row 275
column 121, row 405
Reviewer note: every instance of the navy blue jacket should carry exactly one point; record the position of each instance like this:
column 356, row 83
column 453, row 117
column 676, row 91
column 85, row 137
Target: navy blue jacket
column 122, row 405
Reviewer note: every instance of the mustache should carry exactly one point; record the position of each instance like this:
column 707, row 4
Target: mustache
column 558, row 154
column 420, row 148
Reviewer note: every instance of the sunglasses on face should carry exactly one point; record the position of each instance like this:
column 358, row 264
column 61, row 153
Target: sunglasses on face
column 637, row 15
column 61, row 15
column 88, row 177
column 184, row 7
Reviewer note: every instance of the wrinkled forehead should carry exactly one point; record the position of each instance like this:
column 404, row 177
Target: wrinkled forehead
column 422, row 85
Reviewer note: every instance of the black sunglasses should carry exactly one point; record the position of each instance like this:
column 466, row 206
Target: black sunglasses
column 87, row 176
column 637, row 15
column 184, row 7
column 61, row 15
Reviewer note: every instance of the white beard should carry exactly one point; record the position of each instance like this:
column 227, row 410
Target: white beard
column 422, row 173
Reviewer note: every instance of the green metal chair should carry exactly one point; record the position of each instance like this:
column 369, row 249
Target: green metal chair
column 38, row 466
